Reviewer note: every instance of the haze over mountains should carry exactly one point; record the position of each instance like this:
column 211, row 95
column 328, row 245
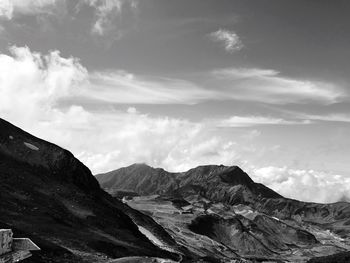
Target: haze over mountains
column 207, row 214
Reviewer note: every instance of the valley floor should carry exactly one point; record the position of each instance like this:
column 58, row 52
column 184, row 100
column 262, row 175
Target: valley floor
column 177, row 221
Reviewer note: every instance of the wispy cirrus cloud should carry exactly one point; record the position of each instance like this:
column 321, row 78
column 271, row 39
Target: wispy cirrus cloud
column 269, row 86
column 341, row 117
column 249, row 121
column 241, row 84
column 230, row 40
column 335, row 117
column 124, row 87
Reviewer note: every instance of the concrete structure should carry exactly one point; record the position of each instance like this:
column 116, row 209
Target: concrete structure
column 5, row 241
column 14, row 249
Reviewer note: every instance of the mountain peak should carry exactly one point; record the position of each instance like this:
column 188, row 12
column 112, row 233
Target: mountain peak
column 140, row 166
column 235, row 175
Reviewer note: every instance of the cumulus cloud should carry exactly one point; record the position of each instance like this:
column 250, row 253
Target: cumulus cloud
column 306, row 185
column 269, row 86
column 30, row 82
column 107, row 11
column 229, row 39
column 10, row 8
column 175, row 144
column 32, row 85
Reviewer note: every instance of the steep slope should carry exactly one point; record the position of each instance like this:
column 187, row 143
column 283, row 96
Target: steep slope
column 48, row 195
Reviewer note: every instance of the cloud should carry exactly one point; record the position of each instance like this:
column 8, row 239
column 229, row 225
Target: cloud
column 340, row 117
column 306, row 185
column 230, row 39
column 123, row 87
column 268, row 86
column 132, row 110
column 30, row 81
column 32, row 85
column 121, row 139
column 335, row 117
column 107, row 11
column 244, row 84
column 249, row 121
column 10, row 8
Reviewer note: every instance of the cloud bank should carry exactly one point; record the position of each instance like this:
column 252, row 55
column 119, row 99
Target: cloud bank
column 307, row 185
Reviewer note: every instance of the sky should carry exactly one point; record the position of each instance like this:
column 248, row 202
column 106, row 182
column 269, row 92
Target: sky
column 176, row 84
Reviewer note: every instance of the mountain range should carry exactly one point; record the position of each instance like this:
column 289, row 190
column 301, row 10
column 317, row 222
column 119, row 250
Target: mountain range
column 227, row 206
column 211, row 213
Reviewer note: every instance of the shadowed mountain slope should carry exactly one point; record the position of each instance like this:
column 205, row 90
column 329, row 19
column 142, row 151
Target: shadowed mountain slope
column 50, row 196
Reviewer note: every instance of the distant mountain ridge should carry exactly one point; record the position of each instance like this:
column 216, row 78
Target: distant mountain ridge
column 224, row 183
